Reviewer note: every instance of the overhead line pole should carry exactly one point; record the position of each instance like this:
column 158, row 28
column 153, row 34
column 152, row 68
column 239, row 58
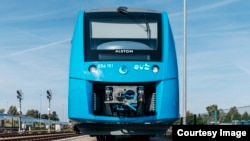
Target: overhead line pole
column 49, row 97
column 20, row 98
column 185, row 64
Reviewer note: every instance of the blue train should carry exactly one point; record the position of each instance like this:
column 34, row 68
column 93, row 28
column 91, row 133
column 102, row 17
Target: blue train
column 123, row 75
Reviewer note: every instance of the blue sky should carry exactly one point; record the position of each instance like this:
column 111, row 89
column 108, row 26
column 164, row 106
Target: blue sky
column 35, row 40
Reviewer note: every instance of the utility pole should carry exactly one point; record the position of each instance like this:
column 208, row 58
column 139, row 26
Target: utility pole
column 63, row 112
column 49, row 97
column 40, row 111
column 20, row 98
column 185, row 66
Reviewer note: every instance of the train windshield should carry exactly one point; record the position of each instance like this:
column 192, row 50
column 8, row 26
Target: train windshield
column 115, row 36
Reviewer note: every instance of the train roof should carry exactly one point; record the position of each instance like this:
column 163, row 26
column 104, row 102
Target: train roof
column 123, row 9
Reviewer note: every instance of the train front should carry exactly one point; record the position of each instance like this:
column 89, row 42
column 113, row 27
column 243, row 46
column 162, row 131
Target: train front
column 123, row 72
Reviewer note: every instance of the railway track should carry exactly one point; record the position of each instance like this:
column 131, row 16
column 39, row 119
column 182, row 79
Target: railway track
column 118, row 138
column 37, row 137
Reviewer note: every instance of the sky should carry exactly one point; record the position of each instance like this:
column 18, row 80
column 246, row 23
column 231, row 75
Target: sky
column 35, row 44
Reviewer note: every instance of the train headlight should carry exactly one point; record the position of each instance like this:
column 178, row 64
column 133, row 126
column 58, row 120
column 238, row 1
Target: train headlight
column 108, row 92
column 155, row 68
column 92, row 69
column 140, row 90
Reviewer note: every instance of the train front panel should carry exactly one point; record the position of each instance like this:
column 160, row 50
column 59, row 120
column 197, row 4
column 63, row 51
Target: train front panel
column 123, row 68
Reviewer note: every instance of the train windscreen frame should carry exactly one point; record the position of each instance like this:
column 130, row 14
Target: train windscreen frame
column 113, row 36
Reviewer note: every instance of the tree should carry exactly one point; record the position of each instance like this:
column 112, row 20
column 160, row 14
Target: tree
column 245, row 116
column 211, row 111
column 32, row 113
column 2, row 111
column 201, row 119
column 189, row 118
column 44, row 116
column 54, row 116
column 222, row 116
column 233, row 114
column 12, row 110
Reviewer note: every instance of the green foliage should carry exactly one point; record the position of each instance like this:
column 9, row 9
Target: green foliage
column 32, row 113
column 190, row 118
column 245, row 116
column 213, row 114
column 12, row 110
column 54, row 116
column 233, row 114
column 44, row 116
column 200, row 120
column 2, row 111
column 211, row 110
column 223, row 116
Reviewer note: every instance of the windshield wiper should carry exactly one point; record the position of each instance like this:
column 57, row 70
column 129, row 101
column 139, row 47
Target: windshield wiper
column 147, row 28
column 123, row 10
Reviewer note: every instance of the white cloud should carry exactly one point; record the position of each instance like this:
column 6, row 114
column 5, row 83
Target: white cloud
column 209, row 6
column 244, row 69
column 204, row 6
column 39, row 47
